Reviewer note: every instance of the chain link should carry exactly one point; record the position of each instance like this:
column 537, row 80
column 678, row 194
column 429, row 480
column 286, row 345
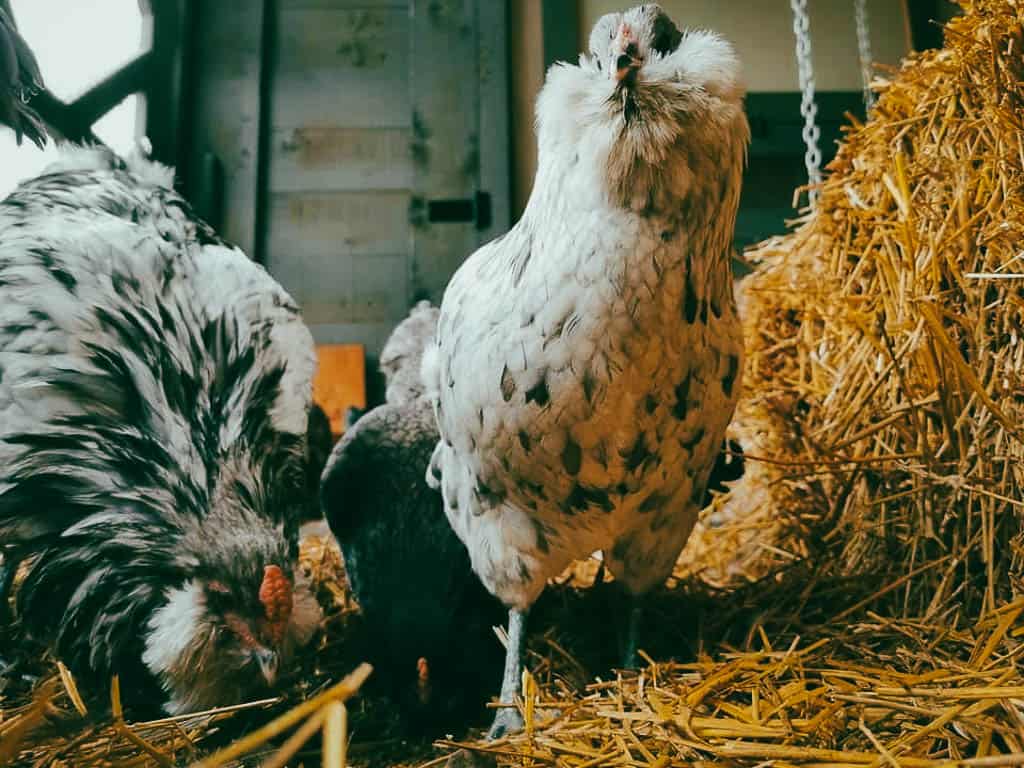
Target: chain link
column 808, row 108
column 860, row 8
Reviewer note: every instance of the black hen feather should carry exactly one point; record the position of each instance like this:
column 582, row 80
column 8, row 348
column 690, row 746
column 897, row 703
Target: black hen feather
column 20, row 80
column 409, row 572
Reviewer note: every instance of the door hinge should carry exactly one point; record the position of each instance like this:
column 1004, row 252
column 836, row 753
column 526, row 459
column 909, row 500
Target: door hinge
column 475, row 209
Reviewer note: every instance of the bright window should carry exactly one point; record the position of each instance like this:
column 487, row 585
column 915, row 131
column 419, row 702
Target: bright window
column 77, row 44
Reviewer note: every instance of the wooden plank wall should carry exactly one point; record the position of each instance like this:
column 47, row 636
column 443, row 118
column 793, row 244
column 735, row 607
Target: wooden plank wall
column 334, row 123
column 340, row 165
column 227, row 104
column 446, row 156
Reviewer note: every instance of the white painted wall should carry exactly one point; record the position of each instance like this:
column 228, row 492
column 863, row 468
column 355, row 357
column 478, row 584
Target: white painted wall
column 762, row 31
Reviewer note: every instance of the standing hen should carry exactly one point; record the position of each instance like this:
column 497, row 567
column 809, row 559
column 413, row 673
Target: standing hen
column 155, row 386
column 587, row 363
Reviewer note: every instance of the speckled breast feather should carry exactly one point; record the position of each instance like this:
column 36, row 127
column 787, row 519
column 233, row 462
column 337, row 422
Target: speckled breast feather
column 588, row 363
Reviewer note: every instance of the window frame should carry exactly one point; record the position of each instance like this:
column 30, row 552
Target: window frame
column 156, row 74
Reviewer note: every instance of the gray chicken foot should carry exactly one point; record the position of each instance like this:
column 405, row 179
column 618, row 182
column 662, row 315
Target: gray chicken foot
column 508, row 720
column 634, row 610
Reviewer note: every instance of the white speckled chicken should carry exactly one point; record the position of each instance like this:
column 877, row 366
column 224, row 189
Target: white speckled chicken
column 588, row 362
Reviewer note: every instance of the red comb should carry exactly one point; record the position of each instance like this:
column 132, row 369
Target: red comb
column 276, row 596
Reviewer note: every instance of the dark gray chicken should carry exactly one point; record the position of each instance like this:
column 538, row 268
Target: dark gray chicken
column 20, row 80
column 427, row 617
column 155, row 386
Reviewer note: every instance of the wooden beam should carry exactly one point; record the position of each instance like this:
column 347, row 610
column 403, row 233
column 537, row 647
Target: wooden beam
column 446, row 129
column 168, row 90
column 103, row 97
column 58, row 116
column 224, row 111
column 495, row 115
column 560, row 20
column 268, row 66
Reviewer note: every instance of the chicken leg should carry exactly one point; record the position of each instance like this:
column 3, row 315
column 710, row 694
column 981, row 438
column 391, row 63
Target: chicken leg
column 508, row 719
column 634, row 608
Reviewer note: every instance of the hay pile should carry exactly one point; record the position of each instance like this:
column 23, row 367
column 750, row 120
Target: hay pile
column 877, row 692
column 875, row 538
column 886, row 341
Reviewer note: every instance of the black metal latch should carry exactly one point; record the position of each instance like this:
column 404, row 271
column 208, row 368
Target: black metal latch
column 476, row 209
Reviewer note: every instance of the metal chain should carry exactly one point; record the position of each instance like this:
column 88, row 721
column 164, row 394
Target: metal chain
column 860, row 9
column 808, row 108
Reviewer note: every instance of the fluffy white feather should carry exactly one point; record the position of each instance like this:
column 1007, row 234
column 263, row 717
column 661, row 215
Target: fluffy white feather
column 587, row 363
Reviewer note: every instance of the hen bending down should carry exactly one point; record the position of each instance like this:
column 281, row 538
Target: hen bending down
column 424, row 612
column 154, row 391
column 587, row 363
column 20, row 80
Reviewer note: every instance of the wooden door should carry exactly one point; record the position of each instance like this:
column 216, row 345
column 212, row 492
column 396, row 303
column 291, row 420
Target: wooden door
column 388, row 155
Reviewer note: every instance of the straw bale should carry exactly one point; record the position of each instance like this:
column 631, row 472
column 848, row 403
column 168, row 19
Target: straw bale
column 883, row 389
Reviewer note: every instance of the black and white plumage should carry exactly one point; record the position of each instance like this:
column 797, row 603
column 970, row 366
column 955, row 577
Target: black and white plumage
column 319, row 441
column 155, row 386
column 408, row 571
column 20, row 80
column 587, row 363
column 400, row 358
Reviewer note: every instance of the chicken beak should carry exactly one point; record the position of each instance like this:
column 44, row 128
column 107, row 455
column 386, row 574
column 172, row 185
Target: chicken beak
column 625, row 51
column 267, row 660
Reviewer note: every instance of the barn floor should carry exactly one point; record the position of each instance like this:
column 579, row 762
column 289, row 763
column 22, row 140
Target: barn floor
column 571, row 646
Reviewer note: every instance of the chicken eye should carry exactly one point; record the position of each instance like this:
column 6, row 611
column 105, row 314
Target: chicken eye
column 667, row 36
column 218, row 596
column 239, row 630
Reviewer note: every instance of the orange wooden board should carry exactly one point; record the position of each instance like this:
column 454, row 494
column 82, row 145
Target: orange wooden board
column 340, row 381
